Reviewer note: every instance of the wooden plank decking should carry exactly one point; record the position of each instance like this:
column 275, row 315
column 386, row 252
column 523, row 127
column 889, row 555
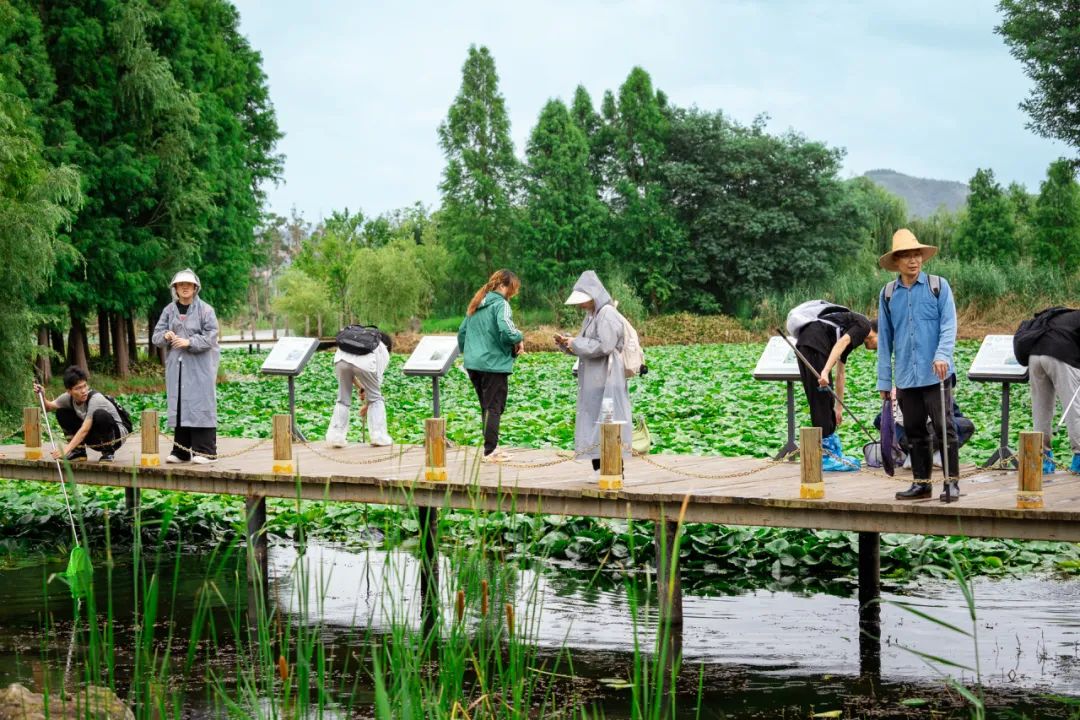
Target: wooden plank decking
column 738, row 491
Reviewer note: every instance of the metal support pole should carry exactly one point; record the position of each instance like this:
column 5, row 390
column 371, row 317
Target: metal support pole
column 869, row 604
column 258, row 567
column 429, row 576
column 1003, row 453
column 435, row 396
column 297, row 435
column 791, row 446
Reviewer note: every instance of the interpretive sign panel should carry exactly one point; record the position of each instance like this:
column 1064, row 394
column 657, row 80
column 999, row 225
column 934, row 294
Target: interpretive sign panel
column 290, row 355
column 433, row 356
column 777, row 362
column 995, row 361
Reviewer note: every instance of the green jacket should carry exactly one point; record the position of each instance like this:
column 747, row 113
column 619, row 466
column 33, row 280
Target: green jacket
column 487, row 337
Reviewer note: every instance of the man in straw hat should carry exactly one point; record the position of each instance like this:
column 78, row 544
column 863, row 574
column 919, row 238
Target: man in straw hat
column 916, row 338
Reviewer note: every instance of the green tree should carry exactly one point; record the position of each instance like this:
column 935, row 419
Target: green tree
column 305, row 302
column 481, row 179
column 650, row 245
column 763, row 213
column 389, row 285
column 939, row 229
column 882, row 212
column 37, row 199
column 328, row 254
column 1023, row 210
column 564, row 229
column 1057, row 218
column 988, row 230
column 1042, row 35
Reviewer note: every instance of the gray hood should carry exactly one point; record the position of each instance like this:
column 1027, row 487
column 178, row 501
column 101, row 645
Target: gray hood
column 590, row 284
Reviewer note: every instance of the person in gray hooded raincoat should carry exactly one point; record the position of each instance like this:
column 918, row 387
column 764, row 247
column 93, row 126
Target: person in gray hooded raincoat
column 600, row 373
column 188, row 330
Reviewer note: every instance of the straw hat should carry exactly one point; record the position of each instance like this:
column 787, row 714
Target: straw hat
column 903, row 239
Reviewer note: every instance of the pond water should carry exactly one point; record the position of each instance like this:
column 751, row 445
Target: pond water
column 755, row 654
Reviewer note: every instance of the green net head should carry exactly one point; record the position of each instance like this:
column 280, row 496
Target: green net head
column 79, row 574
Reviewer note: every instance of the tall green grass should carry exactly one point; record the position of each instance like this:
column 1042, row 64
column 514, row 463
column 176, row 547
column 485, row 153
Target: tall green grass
column 261, row 656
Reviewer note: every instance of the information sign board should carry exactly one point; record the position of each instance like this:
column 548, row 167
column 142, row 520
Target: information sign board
column 777, row 361
column 290, row 355
column 995, row 361
column 434, row 355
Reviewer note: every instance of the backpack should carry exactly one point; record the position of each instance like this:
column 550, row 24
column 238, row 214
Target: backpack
column 890, row 287
column 359, row 339
column 1032, row 330
column 809, row 312
column 633, row 357
column 125, row 416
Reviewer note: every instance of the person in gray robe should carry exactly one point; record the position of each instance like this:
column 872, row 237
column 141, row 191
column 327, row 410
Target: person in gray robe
column 600, row 370
column 188, row 331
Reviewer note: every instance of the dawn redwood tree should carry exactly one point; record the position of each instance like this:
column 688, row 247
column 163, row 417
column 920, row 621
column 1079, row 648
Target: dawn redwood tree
column 564, row 225
column 37, row 199
column 1056, row 218
column 481, row 179
column 988, row 231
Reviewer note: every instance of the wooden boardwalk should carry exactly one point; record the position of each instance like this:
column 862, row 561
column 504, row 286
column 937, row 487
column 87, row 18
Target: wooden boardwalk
column 737, row 491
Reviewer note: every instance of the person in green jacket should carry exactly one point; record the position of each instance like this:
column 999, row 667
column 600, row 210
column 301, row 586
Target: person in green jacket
column 489, row 341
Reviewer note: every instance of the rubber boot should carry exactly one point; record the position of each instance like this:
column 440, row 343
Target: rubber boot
column 339, row 426
column 833, row 458
column 1048, row 462
column 1075, row 467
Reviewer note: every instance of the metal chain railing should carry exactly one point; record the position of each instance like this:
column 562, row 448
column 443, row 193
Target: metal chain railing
column 396, row 451
column 1000, row 465
column 570, row 457
column 218, row 456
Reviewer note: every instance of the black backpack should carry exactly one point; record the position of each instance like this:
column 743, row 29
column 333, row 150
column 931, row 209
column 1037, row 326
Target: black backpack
column 125, row 416
column 1031, row 330
column 359, row 339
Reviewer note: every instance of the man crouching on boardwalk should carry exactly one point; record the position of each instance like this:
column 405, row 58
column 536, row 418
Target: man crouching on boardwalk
column 917, row 327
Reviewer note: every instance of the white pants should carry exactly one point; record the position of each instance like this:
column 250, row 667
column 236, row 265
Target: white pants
column 1052, row 379
column 369, row 373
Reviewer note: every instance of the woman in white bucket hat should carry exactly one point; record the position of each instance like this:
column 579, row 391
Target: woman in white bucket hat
column 188, row 330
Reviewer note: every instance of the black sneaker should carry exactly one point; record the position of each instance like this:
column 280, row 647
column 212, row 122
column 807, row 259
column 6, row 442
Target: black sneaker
column 106, row 457
column 76, row 455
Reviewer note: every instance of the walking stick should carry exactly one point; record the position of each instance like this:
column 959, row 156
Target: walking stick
column 1068, row 408
column 828, row 387
column 945, row 444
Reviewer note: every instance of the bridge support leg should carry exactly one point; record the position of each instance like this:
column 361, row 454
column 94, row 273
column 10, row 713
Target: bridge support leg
column 429, row 576
column 131, row 501
column 869, row 604
column 669, row 588
column 258, row 559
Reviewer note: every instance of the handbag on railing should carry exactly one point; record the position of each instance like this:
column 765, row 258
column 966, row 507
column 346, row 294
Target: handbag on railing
column 641, row 439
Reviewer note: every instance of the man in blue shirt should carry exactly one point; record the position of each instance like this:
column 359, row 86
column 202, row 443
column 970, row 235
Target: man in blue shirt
column 916, row 338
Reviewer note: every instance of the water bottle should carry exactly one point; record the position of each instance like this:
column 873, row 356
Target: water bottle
column 607, row 410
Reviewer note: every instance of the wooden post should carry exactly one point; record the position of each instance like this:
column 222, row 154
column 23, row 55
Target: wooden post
column 283, row 459
column 610, row 456
column 1029, row 493
column 812, row 486
column 31, row 421
column 150, row 457
column 869, row 604
column 258, row 558
column 435, row 449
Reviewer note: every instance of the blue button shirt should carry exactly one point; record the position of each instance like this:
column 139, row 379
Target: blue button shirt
column 917, row 329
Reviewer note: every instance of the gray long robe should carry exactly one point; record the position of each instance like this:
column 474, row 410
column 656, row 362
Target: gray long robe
column 600, row 373
column 191, row 372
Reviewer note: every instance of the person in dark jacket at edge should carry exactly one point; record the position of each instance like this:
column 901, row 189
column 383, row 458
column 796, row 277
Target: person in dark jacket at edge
column 489, row 342
column 1054, row 373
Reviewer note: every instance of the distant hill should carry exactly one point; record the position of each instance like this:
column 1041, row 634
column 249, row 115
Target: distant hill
column 923, row 196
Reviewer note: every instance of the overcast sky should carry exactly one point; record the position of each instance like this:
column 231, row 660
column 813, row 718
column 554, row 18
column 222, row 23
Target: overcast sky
column 925, row 88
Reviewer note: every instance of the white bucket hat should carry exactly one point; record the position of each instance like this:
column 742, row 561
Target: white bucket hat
column 186, row 275
column 577, row 298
